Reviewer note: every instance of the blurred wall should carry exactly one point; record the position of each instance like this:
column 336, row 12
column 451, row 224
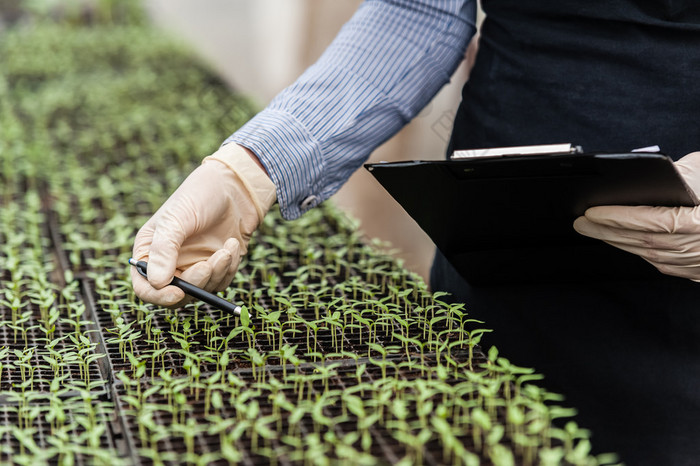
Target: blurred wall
column 261, row 46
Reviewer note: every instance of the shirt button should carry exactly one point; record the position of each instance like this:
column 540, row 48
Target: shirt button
column 308, row 202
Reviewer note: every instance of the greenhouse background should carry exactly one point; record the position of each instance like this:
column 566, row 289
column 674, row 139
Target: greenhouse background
column 340, row 355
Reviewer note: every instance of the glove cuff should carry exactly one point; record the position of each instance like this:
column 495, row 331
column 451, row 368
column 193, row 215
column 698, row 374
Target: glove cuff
column 256, row 182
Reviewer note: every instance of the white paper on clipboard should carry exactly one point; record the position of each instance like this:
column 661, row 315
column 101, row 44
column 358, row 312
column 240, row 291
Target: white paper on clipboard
column 550, row 149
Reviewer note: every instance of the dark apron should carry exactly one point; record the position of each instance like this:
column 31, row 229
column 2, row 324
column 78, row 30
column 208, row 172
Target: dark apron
column 609, row 75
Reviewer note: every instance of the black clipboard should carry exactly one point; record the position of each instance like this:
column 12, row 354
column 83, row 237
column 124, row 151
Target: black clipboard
column 509, row 219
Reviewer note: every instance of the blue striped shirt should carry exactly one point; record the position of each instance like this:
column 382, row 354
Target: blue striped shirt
column 384, row 66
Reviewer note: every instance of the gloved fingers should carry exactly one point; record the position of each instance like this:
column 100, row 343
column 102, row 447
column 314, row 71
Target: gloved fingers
column 199, row 275
column 689, row 272
column 168, row 296
column 662, row 257
column 219, row 262
column 669, row 242
column 675, row 255
column 683, row 270
column 631, row 238
column 142, row 242
column 236, row 248
column 168, row 236
column 647, row 218
column 603, row 232
column 232, row 245
column 689, row 168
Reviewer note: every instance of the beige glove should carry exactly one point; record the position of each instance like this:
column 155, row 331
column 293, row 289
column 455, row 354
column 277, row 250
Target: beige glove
column 201, row 232
column 667, row 237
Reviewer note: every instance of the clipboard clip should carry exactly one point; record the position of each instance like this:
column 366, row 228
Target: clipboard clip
column 543, row 149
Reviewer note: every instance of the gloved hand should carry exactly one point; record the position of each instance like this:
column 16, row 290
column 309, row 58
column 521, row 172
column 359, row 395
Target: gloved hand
column 201, row 232
column 667, row 237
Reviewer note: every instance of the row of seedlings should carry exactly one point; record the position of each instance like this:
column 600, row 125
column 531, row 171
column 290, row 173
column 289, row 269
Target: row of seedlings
column 54, row 402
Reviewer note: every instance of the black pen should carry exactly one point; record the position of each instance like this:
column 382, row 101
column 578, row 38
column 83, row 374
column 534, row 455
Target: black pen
column 192, row 290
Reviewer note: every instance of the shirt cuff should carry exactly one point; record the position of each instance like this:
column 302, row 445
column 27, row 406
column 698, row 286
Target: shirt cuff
column 290, row 155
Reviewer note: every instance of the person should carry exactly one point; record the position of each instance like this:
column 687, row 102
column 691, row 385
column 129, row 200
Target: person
column 609, row 76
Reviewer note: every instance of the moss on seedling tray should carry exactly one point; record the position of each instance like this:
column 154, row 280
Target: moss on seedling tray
column 340, row 354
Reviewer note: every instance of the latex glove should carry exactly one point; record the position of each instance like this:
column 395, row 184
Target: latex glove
column 667, row 237
column 201, row 232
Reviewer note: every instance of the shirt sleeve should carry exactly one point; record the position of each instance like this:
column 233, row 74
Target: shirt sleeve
column 384, row 66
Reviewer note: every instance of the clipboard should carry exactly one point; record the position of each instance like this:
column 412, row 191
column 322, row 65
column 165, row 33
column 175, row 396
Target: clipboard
column 508, row 219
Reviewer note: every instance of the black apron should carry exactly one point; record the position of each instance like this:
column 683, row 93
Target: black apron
column 609, row 75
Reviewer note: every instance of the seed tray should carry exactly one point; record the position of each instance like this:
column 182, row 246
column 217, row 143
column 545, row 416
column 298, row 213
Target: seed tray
column 322, row 344
column 174, row 446
column 384, row 447
column 37, row 368
column 29, row 324
column 42, row 375
column 54, row 233
column 56, row 444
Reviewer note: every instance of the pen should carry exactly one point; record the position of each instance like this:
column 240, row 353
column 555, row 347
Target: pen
column 192, row 290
